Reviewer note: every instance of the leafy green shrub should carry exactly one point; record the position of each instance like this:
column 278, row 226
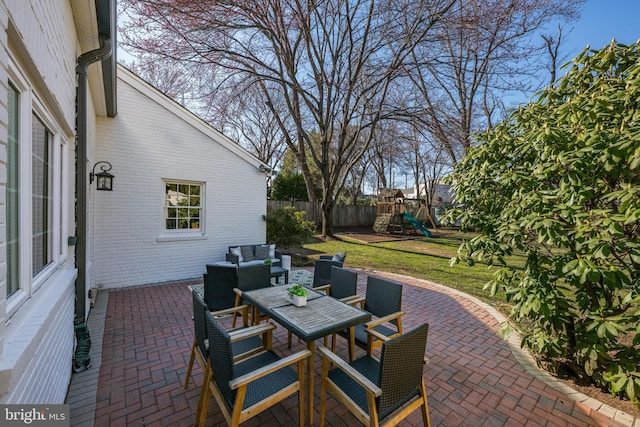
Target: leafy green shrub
column 560, row 181
column 287, row 227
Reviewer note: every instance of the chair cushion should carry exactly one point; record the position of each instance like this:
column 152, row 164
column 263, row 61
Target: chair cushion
column 367, row 366
column 247, row 253
column 362, row 337
column 276, row 262
column 267, row 385
column 370, row 368
column 340, row 256
column 237, row 252
column 262, row 252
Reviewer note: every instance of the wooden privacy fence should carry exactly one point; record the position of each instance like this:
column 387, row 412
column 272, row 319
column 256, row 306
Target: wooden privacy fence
column 343, row 215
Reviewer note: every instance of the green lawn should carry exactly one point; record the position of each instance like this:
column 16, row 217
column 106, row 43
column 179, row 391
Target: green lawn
column 421, row 258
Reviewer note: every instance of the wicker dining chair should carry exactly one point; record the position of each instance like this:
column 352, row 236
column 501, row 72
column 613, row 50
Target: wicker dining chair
column 322, row 272
column 200, row 346
column 250, row 278
column 383, row 299
column 245, row 389
column 219, row 281
column 389, row 389
column 344, row 283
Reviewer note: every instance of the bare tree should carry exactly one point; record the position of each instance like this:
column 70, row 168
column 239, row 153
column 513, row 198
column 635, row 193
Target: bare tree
column 434, row 167
column 427, row 162
column 170, row 78
column 383, row 153
column 241, row 113
column 553, row 47
column 331, row 62
column 483, row 50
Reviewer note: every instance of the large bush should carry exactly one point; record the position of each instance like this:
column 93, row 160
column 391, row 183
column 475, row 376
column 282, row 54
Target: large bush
column 290, row 187
column 560, row 180
column 288, row 227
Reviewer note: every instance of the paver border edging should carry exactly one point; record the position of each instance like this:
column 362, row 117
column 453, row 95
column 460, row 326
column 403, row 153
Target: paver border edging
column 526, row 360
column 83, row 388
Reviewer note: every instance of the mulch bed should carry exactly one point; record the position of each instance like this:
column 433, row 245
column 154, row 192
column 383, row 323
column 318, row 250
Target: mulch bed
column 367, row 235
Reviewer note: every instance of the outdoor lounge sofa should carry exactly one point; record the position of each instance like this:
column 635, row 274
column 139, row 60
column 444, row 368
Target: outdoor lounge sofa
column 243, row 255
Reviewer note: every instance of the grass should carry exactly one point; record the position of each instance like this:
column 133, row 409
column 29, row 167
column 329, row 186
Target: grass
column 428, row 258
column 422, row 258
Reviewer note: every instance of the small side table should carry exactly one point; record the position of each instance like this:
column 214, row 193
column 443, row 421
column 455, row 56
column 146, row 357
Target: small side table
column 277, row 271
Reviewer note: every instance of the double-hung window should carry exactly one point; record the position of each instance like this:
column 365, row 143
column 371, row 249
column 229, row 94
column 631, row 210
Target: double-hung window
column 34, row 191
column 183, row 205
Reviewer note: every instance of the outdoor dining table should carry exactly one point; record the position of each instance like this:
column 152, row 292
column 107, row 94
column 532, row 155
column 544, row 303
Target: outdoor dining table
column 323, row 315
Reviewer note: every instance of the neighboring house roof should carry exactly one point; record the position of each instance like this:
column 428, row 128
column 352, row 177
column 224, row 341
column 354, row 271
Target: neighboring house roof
column 129, row 77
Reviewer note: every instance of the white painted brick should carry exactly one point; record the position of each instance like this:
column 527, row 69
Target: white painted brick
column 4, row 61
column 36, row 344
column 48, row 32
column 146, row 143
column 39, row 344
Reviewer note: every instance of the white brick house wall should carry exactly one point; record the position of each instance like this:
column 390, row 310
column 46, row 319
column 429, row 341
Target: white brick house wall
column 36, row 328
column 152, row 139
column 4, row 61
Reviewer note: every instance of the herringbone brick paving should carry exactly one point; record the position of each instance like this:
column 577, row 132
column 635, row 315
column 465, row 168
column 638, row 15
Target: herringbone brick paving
column 473, row 378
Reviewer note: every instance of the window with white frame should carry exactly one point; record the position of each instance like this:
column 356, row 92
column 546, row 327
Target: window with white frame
column 35, row 150
column 183, row 205
column 40, row 196
column 12, row 207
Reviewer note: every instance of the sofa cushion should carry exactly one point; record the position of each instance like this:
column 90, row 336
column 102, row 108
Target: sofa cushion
column 237, row 252
column 247, row 253
column 340, row 256
column 272, row 250
column 262, row 252
column 254, row 262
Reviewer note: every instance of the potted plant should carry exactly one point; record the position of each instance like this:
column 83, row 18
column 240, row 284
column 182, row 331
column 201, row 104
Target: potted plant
column 268, row 262
column 298, row 295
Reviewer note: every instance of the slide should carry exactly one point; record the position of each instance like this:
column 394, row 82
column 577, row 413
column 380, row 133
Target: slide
column 416, row 224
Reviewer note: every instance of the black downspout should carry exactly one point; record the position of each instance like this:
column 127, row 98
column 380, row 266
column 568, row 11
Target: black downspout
column 82, row 176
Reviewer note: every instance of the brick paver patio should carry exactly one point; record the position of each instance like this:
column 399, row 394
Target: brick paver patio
column 473, row 379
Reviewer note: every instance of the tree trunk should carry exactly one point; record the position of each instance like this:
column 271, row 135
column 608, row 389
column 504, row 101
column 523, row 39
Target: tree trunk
column 306, row 174
column 327, row 217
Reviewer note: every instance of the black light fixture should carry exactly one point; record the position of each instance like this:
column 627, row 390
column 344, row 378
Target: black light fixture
column 265, row 169
column 104, row 178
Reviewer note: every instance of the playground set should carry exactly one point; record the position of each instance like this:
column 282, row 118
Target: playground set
column 397, row 214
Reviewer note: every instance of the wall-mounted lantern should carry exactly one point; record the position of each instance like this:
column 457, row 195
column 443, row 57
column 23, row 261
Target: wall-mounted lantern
column 264, row 169
column 104, row 180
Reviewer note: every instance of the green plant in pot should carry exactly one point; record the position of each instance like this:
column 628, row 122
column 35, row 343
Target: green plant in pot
column 268, row 262
column 298, row 295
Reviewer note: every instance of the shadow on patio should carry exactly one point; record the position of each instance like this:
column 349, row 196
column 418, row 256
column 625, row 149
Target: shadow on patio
column 474, row 378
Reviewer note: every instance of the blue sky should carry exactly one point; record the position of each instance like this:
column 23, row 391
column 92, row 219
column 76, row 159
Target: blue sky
column 601, row 21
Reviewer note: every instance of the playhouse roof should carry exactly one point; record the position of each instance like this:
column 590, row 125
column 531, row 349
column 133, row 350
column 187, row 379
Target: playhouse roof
column 390, row 193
